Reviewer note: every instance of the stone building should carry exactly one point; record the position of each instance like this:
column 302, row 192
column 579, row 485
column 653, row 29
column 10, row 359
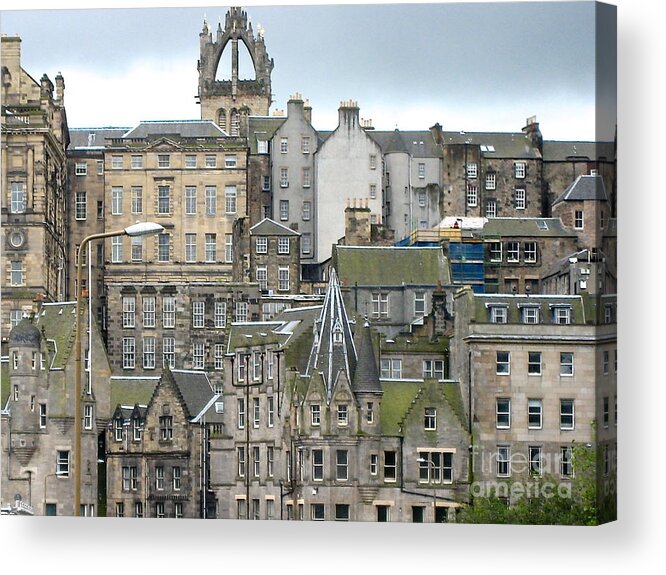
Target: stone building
column 392, row 286
column 412, row 180
column 177, row 324
column 38, row 432
column 156, row 452
column 539, row 377
column 230, row 101
column 33, row 181
column 85, row 210
column 348, row 167
column 491, row 174
column 293, row 151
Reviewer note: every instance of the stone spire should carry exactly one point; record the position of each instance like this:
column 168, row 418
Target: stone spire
column 333, row 348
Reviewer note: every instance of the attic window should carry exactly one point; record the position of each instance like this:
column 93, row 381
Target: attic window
column 542, row 225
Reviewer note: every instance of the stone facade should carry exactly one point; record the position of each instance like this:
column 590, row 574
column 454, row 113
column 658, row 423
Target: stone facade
column 155, row 452
column 293, row 150
column 38, row 435
column 34, row 201
column 537, row 383
column 348, row 167
column 182, row 325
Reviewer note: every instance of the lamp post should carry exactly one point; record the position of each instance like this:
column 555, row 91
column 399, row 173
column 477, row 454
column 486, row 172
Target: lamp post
column 138, row 229
column 434, row 485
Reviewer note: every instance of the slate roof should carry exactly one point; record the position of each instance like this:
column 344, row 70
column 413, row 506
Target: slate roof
column 505, row 144
column 25, row 333
column 253, row 333
column 132, row 390
column 268, row 227
column 366, row 376
column 327, row 356
column 93, row 138
column 419, row 144
column 390, row 266
column 579, row 313
column 524, row 227
column 195, row 389
column 182, row 128
column 584, row 187
column 562, row 151
column 263, row 128
column 57, row 322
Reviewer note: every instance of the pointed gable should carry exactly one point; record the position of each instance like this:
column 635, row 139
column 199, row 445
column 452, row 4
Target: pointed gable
column 333, row 348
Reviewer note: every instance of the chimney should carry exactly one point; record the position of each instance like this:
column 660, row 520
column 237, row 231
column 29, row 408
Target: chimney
column 436, row 132
column 307, row 112
column 348, row 114
column 60, row 89
column 295, row 106
column 533, row 133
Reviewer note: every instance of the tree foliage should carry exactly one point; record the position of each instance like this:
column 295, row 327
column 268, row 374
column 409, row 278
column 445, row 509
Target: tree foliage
column 547, row 500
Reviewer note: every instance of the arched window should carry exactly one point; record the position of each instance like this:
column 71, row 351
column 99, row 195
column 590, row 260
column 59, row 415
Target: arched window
column 235, row 123
column 222, row 119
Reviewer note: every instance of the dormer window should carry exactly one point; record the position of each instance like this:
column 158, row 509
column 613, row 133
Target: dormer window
column 562, row 314
column 498, row 313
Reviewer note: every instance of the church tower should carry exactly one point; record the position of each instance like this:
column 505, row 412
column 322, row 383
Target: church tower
column 227, row 102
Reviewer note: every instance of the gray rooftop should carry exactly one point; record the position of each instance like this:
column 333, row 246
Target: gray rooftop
column 584, row 188
column 563, row 151
column 182, row 129
column 268, row 227
column 92, row 138
column 524, row 227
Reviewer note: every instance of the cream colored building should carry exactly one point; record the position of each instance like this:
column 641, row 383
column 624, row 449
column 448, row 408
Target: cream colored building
column 34, row 139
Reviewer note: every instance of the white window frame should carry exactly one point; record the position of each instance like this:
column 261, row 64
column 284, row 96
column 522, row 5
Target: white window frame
column 380, row 305
column 116, row 200
column 472, row 195
column 198, row 314
column 210, row 248
column 503, row 363
column 230, row 199
column 81, row 209
column 534, row 413
column 284, row 210
column 430, row 418
column 534, row 363
column 566, row 364
column 491, row 181
column 567, row 418
column 503, row 413
column 149, row 345
column 520, row 198
column 129, row 353
column 18, row 198
column 513, row 251
column 283, row 245
column 520, row 170
column 169, row 352
column 211, row 200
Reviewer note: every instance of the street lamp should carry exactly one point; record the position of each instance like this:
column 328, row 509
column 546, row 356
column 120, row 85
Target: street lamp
column 135, row 230
column 434, row 486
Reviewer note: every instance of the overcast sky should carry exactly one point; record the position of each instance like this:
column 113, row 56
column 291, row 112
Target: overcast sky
column 473, row 67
